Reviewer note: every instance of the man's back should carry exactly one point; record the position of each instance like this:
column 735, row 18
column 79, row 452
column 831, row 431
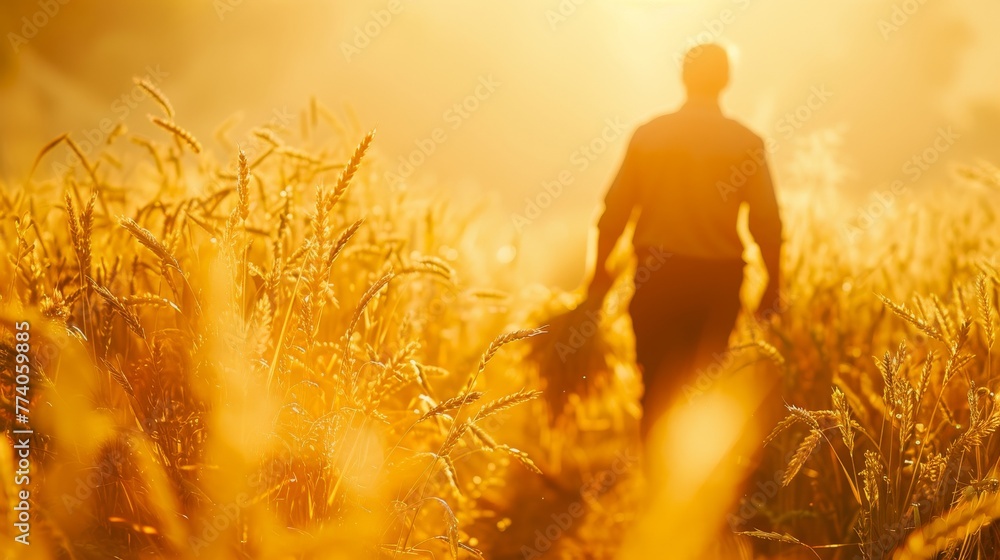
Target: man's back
column 688, row 172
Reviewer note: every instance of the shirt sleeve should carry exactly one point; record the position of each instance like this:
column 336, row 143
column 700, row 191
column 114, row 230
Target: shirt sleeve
column 623, row 195
column 764, row 219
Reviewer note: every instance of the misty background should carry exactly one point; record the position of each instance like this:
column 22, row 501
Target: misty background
column 508, row 96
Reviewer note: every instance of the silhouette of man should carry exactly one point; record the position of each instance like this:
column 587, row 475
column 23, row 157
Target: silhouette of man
column 685, row 176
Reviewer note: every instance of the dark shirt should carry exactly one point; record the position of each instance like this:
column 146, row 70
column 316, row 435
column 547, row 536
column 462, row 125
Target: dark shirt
column 688, row 172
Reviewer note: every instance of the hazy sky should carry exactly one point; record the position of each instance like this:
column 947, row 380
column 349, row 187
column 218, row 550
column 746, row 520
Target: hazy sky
column 508, row 95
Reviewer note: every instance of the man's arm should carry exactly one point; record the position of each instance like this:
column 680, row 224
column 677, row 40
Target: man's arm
column 766, row 229
column 618, row 205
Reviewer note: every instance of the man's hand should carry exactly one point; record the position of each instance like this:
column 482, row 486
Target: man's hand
column 771, row 304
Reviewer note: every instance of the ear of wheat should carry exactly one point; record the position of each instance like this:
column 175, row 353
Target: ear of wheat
column 178, row 132
column 157, row 95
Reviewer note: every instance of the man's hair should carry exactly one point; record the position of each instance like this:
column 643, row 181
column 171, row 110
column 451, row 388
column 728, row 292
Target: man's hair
column 706, row 69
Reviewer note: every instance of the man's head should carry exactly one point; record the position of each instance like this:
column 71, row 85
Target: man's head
column 706, row 70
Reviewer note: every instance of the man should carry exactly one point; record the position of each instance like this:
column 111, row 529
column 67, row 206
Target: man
column 685, row 176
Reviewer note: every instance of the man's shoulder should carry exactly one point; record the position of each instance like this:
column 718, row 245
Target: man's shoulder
column 679, row 123
column 656, row 127
column 744, row 130
column 660, row 121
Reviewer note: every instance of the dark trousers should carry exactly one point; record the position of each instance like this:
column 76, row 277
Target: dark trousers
column 682, row 315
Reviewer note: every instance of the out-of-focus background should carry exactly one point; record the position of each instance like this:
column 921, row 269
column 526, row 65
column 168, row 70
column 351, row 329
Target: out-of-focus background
column 541, row 87
column 204, row 303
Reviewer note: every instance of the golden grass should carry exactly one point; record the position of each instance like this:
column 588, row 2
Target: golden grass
column 239, row 361
column 916, row 425
column 238, row 364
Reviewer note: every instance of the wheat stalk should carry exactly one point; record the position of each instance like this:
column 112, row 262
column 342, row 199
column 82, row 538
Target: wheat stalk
column 157, row 95
column 504, row 403
column 81, row 229
column 180, row 133
column 985, row 300
column 521, row 457
column 46, row 149
column 344, row 180
column 83, row 160
column 494, row 347
column 803, row 452
column 241, row 211
column 131, row 319
column 845, row 423
column 342, row 240
column 904, row 313
column 149, row 241
column 958, row 524
column 451, row 404
column 299, row 155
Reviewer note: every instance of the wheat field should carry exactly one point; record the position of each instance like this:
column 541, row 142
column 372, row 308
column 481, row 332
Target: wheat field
column 275, row 355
